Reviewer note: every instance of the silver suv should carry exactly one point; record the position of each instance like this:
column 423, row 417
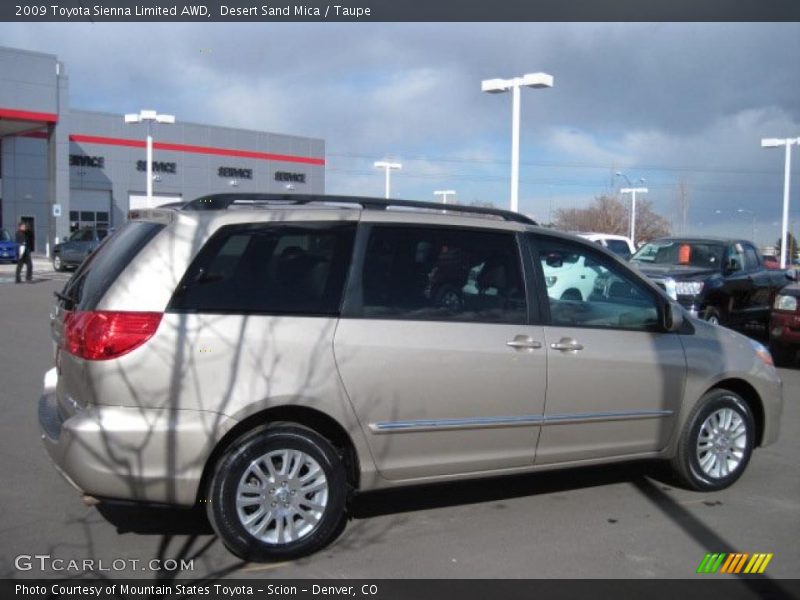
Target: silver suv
column 269, row 356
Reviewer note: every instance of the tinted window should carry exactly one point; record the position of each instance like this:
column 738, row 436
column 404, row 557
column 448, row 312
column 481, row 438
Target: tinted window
column 750, row 258
column 96, row 274
column 593, row 291
column 619, row 247
column 442, row 274
column 679, row 252
column 269, row 269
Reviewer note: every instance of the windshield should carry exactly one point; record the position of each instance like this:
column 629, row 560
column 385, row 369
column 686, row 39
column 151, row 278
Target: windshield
column 4, row 235
column 678, row 252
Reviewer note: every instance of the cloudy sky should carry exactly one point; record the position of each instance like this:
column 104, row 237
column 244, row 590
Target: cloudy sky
column 664, row 102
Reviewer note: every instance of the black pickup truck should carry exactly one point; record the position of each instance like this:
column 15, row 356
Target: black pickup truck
column 723, row 281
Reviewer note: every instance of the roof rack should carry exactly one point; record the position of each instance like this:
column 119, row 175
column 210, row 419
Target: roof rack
column 225, row 201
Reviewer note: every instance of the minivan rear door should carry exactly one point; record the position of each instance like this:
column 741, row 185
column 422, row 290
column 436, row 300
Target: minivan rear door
column 436, row 352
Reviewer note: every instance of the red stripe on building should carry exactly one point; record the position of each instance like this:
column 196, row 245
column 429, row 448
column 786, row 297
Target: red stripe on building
column 27, row 115
column 93, row 139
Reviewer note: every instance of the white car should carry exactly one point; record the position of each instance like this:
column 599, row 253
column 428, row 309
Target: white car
column 618, row 244
column 571, row 277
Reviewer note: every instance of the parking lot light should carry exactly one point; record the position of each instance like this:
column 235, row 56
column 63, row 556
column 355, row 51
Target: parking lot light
column 776, row 143
column 388, row 167
column 149, row 117
column 632, row 191
column 444, row 194
column 499, row 86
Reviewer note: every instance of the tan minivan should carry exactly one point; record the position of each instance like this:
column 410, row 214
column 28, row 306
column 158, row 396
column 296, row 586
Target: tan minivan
column 269, row 356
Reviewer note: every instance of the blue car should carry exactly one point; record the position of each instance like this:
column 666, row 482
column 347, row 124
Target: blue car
column 9, row 249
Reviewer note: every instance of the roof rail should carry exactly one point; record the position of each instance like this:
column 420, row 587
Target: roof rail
column 224, row 201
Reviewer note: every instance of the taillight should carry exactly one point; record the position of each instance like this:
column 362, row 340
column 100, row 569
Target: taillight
column 101, row 335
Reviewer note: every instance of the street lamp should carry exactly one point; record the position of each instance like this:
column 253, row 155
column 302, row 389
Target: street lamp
column 499, row 86
column 149, row 116
column 388, row 167
column 444, row 194
column 775, row 143
column 632, row 191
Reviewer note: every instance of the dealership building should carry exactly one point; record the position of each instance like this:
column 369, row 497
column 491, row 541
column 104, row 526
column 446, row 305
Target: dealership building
column 63, row 169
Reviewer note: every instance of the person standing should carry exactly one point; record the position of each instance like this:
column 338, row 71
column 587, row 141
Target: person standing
column 25, row 241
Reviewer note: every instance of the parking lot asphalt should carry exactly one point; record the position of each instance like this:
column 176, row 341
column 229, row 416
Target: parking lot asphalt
column 622, row 521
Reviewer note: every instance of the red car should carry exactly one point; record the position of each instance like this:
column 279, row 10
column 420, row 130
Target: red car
column 784, row 325
column 771, row 262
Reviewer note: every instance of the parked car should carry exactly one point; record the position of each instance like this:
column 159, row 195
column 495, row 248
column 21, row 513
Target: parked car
column 618, row 244
column 771, row 262
column 74, row 250
column 9, row 249
column 784, row 325
column 266, row 357
column 723, row 281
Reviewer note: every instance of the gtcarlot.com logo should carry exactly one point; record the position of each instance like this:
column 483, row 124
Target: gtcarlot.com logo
column 735, row 563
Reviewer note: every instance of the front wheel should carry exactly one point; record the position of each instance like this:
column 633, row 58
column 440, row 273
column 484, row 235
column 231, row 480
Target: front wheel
column 57, row 264
column 716, row 442
column 277, row 493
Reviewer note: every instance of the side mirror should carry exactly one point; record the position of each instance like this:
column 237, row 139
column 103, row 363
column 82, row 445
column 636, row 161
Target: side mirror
column 673, row 317
column 791, row 274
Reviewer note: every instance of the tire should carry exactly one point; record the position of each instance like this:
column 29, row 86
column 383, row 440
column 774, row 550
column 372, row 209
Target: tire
column 57, row 264
column 573, row 295
column 238, row 491
column 700, row 469
column 782, row 354
column 712, row 315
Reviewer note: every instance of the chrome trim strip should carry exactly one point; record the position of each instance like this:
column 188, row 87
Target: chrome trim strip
column 520, row 421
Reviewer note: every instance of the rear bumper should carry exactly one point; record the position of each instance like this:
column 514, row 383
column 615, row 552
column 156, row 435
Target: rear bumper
column 129, row 453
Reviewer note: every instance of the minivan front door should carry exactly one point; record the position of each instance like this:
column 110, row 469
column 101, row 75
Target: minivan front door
column 615, row 382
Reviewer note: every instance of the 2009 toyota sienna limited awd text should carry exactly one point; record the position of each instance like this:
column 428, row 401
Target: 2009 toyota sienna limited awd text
column 269, row 356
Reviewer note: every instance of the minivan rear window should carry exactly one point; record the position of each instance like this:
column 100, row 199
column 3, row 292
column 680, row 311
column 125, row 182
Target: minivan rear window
column 94, row 277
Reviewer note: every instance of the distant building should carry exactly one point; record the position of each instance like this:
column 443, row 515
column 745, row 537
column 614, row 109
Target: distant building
column 63, row 169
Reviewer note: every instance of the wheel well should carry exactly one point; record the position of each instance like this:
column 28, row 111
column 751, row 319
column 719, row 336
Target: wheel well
column 315, row 420
column 750, row 395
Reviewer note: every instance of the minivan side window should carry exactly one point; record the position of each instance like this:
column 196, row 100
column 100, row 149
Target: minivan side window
column 263, row 268
column 442, row 274
column 588, row 289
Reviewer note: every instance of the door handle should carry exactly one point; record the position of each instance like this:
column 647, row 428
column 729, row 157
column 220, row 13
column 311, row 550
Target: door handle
column 566, row 345
column 523, row 342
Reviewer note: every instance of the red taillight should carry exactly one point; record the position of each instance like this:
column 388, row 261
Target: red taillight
column 101, row 335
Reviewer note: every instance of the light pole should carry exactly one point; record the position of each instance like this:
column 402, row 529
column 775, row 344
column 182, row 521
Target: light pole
column 388, row 167
column 499, row 86
column 775, row 143
column 444, row 194
column 149, row 116
column 632, row 191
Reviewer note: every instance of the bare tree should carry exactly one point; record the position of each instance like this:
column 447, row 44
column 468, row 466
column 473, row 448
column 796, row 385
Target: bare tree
column 608, row 215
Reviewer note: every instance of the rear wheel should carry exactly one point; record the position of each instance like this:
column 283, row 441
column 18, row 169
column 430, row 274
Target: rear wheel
column 277, row 493
column 716, row 442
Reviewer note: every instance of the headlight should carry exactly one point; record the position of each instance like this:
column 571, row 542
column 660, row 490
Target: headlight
column 550, row 280
column 785, row 303
column 688, row 288
column 670, row 288
column 762, row 353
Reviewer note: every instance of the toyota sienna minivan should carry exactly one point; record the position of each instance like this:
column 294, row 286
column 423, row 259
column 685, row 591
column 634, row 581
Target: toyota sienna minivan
column 268, row 356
